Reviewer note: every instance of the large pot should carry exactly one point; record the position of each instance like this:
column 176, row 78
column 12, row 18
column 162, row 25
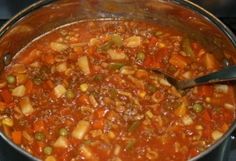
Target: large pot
column 46, row 15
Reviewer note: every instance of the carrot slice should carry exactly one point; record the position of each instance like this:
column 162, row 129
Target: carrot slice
column 205, row 90
column 16, row 137
column 179, row 60
column 206, row 116
column 6, row 95
column 29, row 86
column 98, row 124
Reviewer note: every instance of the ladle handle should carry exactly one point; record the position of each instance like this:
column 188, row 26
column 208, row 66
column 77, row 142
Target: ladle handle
column 226, row 74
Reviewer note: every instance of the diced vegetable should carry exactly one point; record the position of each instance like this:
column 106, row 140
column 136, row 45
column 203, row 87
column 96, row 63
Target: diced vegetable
column 117, row 40
column 59, row 90
column 93, row 101
column 50, row 158
column 149, row 114
column 80, row 129
column 83, row 64
column 181, row 110
column 93, row 42
column 61, row 142
column 85, row 151
column 127, row 70
column 8, row 122
column 38, row 81
column 16, row 137
column 197, row 107
column 216, row 135
column 164, row 82
column 58, row 46
column 70, row 94
column 186, row 45
column 11, row 79
column 48, row 150
column 116, row 55
column 115, row 66
column 187, row 120
column 62, row 67
column 21, row 78
column 134, row 126
column 133, row 41
column 229, row 106
column 210, row 61
column 130, row 144
column 19, row 91
column 26, row 106
column 63, row 132
column 117, row 150
column 39, row 136
column 140, row 57
column 221, row 88
column 178, row 60
column 84, row 87
column 151, row 88
column 158, row 33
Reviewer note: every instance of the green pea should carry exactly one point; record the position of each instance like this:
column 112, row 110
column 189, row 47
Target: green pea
column 140, row 56
column 11, row 79
column 117, row 40
column 48, row 150
column 63, row 132
column 197, row 107
column 39, row 136
column 37, row 80
column 70, row 94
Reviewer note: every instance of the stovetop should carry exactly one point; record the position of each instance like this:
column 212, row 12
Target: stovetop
column 225, row 152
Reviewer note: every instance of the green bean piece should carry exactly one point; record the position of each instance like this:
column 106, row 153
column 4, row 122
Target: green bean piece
column 106, row 46
column 39, row 136
column 113, row 92
column 117, row 40
column 134, row 126
column 98, row 77
column 70, row 94
column 47, row 150
column 115, row 66
column 197, row 107
column 37, row 80
column 158, row 33
column 130, row 144
column 140, row 56
column 11, row 79
column 187, row 47
column 63, row 132
column 151, row 88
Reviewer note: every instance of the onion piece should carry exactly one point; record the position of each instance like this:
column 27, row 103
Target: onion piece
column 58, row 46
column 85, row 151
column 115, row 55
column 26, row 106
column 19, row 91
column 83, row 64
column 216, row 134
column 222, row 88
column 59, row 90
column 133, row 41
column 80, row 129
column 61, row 142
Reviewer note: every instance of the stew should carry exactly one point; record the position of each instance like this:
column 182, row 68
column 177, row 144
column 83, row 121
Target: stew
column 85, row 91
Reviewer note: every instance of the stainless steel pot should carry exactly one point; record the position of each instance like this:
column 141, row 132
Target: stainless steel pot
column 46, row 15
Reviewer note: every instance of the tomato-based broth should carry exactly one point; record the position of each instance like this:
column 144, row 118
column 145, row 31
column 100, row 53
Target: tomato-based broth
column 86, row 91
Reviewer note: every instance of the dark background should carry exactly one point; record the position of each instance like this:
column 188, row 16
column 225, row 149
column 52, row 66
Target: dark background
column 221, row 8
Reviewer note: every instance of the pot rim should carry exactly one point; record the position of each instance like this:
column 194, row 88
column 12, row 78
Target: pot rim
column 184, row 3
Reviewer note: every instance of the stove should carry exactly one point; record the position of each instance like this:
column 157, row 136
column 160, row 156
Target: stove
column 224, row 152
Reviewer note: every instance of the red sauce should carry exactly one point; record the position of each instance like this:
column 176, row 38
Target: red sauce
column 85, row 92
